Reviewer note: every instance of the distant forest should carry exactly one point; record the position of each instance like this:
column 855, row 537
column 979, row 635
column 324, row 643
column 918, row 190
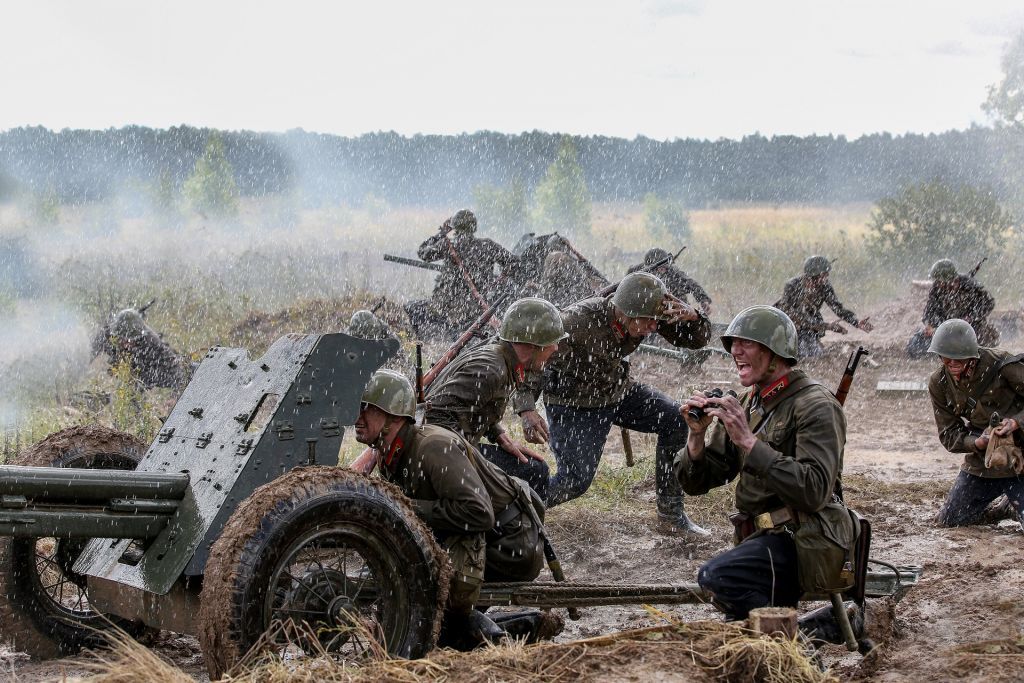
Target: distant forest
column 431, row 170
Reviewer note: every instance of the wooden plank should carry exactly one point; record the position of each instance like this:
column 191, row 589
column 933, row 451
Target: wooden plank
column 900, row 387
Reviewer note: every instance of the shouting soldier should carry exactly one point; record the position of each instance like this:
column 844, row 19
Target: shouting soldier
column 802, row 299
column 954, row 295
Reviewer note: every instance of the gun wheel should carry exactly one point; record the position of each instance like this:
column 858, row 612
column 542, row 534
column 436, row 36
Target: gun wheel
column 44, row 603
column 321, row 562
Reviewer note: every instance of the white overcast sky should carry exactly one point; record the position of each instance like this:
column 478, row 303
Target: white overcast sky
column 661, row 68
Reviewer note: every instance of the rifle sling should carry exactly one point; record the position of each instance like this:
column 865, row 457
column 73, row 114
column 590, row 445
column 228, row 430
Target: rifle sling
column 969, row 405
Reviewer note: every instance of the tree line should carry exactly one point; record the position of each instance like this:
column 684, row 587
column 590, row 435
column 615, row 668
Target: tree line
column 88, row 165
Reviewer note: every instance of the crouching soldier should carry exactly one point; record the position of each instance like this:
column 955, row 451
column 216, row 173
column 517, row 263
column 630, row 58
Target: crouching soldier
column 490, row 523
column 587, row 389
column 784, row 439
column 471, row 394
column 978, row 400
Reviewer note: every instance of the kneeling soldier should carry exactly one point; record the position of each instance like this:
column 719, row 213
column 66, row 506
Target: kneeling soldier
column 974, row 385
column 489, row 522
column 784, row 439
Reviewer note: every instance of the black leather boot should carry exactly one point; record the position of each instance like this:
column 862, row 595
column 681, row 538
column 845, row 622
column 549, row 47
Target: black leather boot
column 672, row 519
column 821, row 625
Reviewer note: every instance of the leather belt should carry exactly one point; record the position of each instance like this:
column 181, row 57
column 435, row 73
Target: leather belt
column 770, row 520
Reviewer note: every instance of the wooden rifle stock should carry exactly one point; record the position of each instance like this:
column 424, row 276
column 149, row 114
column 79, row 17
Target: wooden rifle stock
column 851, row 369
column 460, row 343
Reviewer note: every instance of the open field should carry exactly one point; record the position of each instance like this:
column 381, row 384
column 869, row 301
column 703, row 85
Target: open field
column 245, row 284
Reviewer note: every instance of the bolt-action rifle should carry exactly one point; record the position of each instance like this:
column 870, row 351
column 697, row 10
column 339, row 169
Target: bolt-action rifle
column 851, row 368
column 583, row 260
column 456, row 348
column 975, row 269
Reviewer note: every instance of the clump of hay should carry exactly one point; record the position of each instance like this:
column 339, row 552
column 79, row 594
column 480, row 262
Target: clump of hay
column 992, row 660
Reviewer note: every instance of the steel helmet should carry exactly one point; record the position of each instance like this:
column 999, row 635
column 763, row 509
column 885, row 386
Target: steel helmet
column 532, row 321
column 955, row 339
column 365, row 325
column 128, row 325
column 391, row 392
column 654, row 255
column 640, row 295
column 767, row 326
column 464, row 221
column 942, row 270
column 816, row 265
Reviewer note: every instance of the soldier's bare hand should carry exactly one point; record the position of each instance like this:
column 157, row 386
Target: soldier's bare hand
column 535, row 428
column 1007, row 426
column 677, row 310
column 518, row 451
column 696, row 401
column 734, row 418
column 865, row 325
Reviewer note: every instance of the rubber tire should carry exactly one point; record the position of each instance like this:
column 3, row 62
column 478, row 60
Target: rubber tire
column 258, row 534
column 26, row 617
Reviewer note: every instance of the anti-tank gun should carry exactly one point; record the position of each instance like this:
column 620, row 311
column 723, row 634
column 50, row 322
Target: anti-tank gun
column 230, row 526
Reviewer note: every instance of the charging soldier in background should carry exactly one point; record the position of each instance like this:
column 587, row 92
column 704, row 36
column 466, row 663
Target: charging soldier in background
column 490, row 524
column 587, row 389
column 471, row 394
column 126, row 336
column 954, row 295
column 802, row 299
column 973, row 385
column 676, row 281
column 467, row 276
column 784, row 439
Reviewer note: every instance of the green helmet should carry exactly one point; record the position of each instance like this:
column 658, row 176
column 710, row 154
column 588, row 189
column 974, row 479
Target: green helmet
column 365, row 325
column 767, row 326
column 816, row 265
column 943, row 270
column 955, row 339
column 464, row 221
column 654, row 255
column 532, row 321
column 640, row 295
column 391, row 392
column 128, row 325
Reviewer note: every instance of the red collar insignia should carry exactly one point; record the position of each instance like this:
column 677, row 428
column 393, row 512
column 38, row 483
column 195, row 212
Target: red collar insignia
column 396, row 446
column 775, row 388
column 520, row 374
column 618, row 328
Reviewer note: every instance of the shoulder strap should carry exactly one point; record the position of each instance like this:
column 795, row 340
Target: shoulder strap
column 985, row 383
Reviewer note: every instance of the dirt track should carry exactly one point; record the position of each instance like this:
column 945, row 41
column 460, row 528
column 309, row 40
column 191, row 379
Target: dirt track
column 896, row 473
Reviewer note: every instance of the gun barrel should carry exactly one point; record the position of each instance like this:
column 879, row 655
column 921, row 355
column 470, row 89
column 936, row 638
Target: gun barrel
column 71, row 485
column 416, row 263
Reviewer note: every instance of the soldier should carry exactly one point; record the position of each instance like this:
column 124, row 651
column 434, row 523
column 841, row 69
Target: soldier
column 677, row 281
column 802, row 299
column 365, row 325
column 467, row 275
column 954, row 295
column 470, row 394
column 973, row 385
column 587, row 389
column 127, row 337
column 490, row 524
column 784, row 439
column 564, row 281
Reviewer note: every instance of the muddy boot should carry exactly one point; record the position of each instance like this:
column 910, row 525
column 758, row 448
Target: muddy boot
column 672, row 519
column 821, row 626
column 530, row 626
column 465, row 632
column 999, row 509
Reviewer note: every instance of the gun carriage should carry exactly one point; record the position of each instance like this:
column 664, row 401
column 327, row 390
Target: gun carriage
column 233, row 525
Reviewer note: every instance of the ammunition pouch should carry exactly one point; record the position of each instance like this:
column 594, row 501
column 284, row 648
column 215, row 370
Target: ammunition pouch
column 825, row 549
column 515, row 545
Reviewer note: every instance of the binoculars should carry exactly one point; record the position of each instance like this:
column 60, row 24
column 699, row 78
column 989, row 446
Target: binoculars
column 697, row 414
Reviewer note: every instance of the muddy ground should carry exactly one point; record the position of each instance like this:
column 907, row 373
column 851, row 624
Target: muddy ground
column 963, row 621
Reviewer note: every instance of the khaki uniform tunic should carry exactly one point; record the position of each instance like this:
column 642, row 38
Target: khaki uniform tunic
column 796, row 462
column 452, row 297
column 589, row 370
column 1005, row 395
column 803, row 305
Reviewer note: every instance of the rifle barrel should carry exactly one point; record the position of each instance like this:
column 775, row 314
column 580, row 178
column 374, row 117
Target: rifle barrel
column 416, row 263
